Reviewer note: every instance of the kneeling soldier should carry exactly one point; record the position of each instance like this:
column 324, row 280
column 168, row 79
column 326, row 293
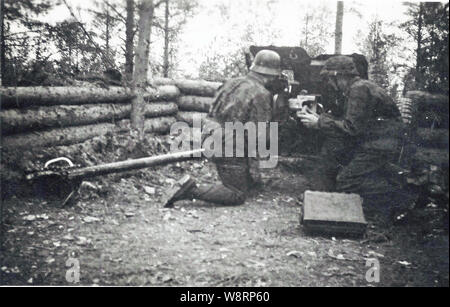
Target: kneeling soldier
column 243, row 100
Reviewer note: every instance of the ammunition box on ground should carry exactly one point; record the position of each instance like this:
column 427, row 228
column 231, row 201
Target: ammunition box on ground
column 333, row 213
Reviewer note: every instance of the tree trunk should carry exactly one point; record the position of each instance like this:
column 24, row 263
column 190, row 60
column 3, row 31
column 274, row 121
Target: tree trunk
column 129, row 46
column 166, row 41
column 418, row 77
column 197, row 87
column 39, row 95
column 15, row 121
column 107, row 36
column 74, row 135
column 306, row 31
column 159, row 125
column 2, row 42
column 19, row 97
column 188, row 117
column 141, row 64
column 163, row 92
column 163, row 81
column 57, row 136
column 338, row 30
column 195, row 103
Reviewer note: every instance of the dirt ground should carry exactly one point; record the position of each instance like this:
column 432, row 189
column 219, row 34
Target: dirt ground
column 120, row 235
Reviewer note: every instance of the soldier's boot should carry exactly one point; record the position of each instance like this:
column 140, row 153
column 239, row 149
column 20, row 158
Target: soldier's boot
column 180, row 191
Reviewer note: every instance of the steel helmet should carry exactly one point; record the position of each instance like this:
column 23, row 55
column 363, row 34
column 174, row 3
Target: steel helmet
column 339, row 65
column 267, row 62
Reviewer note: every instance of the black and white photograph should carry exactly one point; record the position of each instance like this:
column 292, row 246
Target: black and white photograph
column 224, row 149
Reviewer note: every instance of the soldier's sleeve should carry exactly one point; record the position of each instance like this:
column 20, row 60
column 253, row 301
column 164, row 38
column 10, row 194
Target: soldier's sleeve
column 355, row 117
column 260, row 108
column 260, row 111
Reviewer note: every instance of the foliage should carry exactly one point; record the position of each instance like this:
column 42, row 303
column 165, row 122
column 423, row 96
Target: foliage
column 428, row 25
column 316, row 29
column 26, row 42
column 106, row 20
column 377, row 47
column 180, row 11
column 234, row 37
column 41, row 53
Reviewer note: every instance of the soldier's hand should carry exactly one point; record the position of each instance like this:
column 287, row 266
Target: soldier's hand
column 310, row 120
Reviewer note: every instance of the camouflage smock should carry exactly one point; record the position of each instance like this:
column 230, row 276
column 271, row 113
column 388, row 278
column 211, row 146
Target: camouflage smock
column 242, row 100
column 369, row 114
column 361, row 143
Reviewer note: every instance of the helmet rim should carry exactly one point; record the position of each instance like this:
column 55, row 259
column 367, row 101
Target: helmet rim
column 339, row 65
column 265, row 70
column 267, row 62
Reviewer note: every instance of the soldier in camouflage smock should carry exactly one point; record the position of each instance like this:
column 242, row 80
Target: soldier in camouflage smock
column 361, row 145
column 239, row 100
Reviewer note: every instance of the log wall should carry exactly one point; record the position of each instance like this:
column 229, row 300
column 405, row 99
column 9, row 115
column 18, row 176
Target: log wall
column 53, row 116
column 40, row 123
column 427, row 114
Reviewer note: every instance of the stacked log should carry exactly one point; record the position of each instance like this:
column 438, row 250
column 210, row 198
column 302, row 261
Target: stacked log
column 35, row 117
column 189, row 117
column 195, row 103
column 432, row 138
column 427, row 116
column 22, row 120
column 197, row 87
column 424, row 99
column 196, row 99
column 164, row 92
column 429, row 110
column 56, row 137
column 78, row 134
column 20, row 97
column 430, row 121
column 431, row 156
column 160, row 125
column 55, row 116
column 89, row 124
column 163, row 81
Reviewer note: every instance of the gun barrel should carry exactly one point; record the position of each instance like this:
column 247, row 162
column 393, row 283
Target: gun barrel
column 121, row 166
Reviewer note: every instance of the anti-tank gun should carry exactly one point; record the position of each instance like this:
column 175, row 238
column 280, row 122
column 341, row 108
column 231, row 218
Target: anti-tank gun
column 304, row 88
